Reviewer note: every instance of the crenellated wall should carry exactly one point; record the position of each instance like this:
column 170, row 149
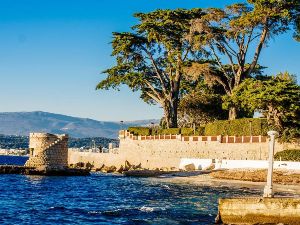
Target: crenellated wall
column 48, row 151
column 168, row 150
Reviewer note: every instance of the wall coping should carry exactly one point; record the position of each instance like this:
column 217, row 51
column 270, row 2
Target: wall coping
column 125, row 134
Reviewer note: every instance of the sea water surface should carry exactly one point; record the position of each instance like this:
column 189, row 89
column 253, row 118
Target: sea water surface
column 108, row 199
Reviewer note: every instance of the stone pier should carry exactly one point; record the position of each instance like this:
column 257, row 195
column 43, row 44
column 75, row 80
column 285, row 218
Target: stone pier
column 259, row 211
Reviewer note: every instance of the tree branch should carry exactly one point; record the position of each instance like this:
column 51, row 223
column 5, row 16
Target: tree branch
column 155, row 92
column 219, row 62
column 155, row 98
column 258, row 50
column 159, row 76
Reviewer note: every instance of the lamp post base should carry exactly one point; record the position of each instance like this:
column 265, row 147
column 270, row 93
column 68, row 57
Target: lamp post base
column 268, row 192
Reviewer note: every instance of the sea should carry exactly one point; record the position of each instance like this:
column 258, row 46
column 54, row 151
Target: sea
column 107, row 199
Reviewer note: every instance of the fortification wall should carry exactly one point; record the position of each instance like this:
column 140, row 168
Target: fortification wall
column 48, row 151
column 167, row 151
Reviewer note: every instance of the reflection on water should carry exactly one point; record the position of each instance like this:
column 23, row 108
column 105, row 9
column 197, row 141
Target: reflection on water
column 34, row 179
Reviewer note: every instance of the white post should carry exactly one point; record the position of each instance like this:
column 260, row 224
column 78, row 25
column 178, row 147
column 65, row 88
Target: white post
column 268, row 191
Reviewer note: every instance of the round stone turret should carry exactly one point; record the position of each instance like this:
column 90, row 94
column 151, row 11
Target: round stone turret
column 48, row 151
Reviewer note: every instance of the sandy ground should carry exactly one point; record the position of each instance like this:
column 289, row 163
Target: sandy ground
column 203, row 178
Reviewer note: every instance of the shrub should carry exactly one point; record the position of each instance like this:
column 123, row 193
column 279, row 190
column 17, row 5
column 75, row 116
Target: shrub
column 200, row 131
column 139, row 130
column 187, row 131
column 288, row 155
column 170, row 131
column 239, row 127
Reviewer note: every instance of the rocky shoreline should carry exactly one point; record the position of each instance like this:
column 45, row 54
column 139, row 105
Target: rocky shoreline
column 258, row 175
column 23, row 170
column 284, row 177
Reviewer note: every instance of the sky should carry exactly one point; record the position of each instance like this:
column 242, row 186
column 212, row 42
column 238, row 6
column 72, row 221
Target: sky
column 52, row 53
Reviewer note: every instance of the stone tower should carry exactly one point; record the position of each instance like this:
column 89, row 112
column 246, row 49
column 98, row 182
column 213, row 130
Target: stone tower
column 48, row 151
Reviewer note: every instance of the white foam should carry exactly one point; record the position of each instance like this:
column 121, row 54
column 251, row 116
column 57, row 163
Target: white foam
column 146, row 209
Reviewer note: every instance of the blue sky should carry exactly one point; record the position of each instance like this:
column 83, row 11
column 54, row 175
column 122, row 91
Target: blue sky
column 52, row 53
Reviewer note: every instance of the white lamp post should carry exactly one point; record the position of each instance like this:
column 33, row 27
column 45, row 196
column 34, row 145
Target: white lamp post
column 268, row 191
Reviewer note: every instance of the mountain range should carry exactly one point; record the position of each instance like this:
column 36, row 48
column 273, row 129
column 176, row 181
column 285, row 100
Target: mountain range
column 22, row 123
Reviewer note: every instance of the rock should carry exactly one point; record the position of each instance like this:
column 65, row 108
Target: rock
column 190, row 167
column 121, row 169
column 89, row 166
column 99, row 168
column 137, row 167
column 112, row 169
column 127, row 166
column 109, row 169
column 79, row 165
column 104, row 169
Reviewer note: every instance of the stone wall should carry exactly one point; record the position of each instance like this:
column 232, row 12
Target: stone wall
column 168, row 150
column 48, row 151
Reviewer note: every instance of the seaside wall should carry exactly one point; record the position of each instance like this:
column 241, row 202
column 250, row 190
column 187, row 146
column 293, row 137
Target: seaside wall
column 48, row 151
column 259, row 211
column 168, row 150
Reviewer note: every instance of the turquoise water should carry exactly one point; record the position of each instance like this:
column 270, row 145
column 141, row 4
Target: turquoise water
column 107, row 199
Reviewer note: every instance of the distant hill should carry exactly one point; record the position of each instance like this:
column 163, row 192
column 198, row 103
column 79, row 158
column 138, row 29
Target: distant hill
column 22, row 123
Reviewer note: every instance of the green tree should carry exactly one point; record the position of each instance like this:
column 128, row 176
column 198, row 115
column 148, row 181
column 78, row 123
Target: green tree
column 229, row 36
column 277, row 97
column 202, row 104
column 151, row 58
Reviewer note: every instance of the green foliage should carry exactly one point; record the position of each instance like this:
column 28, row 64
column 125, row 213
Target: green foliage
column 288, row 155
column 187, row 131
column 139, row 130
column 145, row 131
column 290, row 134
column 201, row 105
column 239, row 127
column 227, row 35
column 200, row 131
column 150, row 58
column 297, row 29
column 169, row 131
column 277, row 97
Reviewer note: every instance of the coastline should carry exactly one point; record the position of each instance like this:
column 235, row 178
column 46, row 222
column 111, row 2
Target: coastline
column 290, row 190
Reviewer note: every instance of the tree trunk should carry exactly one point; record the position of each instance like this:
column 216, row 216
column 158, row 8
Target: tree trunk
column 232, row 113
column 170, row 111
